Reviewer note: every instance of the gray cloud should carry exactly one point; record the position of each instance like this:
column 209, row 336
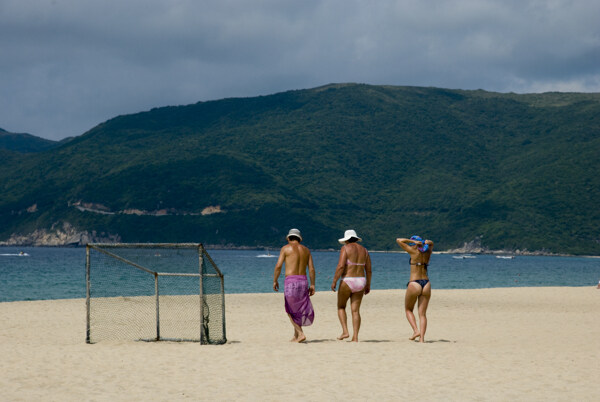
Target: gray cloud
column 67, row 65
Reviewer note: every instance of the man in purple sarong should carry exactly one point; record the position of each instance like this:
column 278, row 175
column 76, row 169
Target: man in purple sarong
column 297, row 292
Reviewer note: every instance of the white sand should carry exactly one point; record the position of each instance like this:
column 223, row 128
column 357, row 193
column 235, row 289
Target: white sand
column 492, row 344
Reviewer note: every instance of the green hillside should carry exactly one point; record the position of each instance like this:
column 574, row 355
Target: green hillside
column 517, row 171
column 24, row 143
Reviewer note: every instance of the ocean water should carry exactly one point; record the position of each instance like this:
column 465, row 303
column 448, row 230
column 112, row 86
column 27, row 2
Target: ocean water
column 59, row 273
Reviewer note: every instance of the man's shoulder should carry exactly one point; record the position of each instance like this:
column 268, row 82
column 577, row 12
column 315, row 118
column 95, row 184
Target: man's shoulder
column 289, row 248
column 304, row 248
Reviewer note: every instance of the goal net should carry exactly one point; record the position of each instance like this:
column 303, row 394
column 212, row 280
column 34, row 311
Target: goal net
column 153, row 292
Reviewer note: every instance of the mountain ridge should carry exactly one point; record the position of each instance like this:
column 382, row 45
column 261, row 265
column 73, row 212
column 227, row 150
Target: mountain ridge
column 454, row 165
column 25, row 143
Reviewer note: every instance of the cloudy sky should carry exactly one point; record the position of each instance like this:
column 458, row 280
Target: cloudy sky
column 68, row 65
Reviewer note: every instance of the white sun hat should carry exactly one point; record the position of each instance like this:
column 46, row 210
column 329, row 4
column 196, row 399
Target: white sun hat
column 294, row 232
column 348, row 234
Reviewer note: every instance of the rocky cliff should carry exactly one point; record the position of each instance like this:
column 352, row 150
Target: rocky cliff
column 60, row 235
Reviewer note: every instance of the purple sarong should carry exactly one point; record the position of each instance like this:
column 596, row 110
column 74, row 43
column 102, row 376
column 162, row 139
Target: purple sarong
column 297, row 300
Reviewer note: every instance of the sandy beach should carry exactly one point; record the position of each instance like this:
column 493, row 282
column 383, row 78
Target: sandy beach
column 525, row 344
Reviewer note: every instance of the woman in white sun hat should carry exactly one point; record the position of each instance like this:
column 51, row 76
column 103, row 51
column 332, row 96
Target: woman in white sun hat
column 354, row 267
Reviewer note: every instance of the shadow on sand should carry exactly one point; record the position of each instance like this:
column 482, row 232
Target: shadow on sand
column 436, row 341
column 319, row 341
column 333, row 340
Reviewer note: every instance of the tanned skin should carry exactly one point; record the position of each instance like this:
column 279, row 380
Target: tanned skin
column 414, row 291
column 356, row 253
column 296, row 258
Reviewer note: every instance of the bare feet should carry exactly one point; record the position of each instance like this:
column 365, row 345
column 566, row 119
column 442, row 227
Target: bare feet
column 414, row 336
column 301, row 338
column 343, row 336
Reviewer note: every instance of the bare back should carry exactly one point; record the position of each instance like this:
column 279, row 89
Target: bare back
column 418, row 260
column 418, row 271
column 296, row 258
column 354, row 257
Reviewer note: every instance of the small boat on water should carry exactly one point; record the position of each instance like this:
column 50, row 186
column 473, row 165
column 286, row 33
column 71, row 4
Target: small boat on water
column 19, row 254
column 268, row 255
column 506, row 257
column 463, row 256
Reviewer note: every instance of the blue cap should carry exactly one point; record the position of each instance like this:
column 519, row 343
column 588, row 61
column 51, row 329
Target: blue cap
column 422, row 248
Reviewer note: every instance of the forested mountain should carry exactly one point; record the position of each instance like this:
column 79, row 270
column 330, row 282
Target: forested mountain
column 512, row 171
column 24, row 142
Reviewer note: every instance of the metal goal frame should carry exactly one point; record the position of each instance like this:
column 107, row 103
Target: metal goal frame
column 203, row 255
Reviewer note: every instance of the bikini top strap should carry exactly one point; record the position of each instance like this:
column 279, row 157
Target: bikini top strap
column 425, row 264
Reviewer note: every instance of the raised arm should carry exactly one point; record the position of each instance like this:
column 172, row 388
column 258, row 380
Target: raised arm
column 277, row 271
column 339, row 270
column 311, row 273
column 404, row 244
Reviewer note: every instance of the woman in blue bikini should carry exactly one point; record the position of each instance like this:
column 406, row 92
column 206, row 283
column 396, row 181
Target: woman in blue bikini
column 354, row 267
column 418, row 287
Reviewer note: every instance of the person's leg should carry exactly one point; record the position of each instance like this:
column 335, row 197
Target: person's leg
column 343, row 295
column 423, row 303
column 355, row 301
column 298, row 333
column 413, row 290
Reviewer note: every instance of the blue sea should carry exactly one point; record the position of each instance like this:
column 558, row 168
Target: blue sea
column 59, row 273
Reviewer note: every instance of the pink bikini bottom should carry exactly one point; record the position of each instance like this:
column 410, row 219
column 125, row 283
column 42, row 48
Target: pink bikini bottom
column 355, row 283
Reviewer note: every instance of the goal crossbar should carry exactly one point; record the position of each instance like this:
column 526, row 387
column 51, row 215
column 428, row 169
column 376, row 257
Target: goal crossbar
column 214, row 295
